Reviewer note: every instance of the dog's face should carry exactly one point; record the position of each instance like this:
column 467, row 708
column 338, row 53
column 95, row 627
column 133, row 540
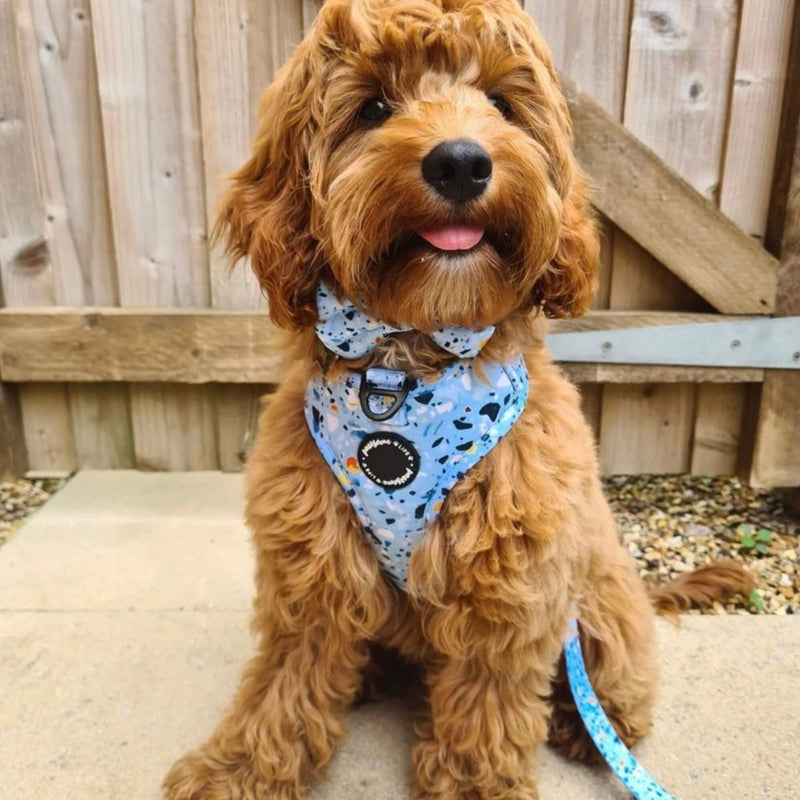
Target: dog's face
column 417, row 153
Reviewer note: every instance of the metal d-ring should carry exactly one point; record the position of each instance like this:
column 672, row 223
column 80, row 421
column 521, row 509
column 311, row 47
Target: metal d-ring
column 369, row 390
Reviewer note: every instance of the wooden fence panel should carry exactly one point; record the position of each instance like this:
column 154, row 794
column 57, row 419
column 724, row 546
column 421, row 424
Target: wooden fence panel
column 148, row 93
column 680, row 63
column 118, row 120
column 25, row 265
column 589, row 42
column 58, row 71
column 752, row 138
column 776, row 453
column 240, row 45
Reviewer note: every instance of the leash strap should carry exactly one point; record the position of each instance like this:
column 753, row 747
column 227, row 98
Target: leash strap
column 633, row 775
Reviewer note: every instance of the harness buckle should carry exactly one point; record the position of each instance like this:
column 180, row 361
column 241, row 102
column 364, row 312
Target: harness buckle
column 382, row 385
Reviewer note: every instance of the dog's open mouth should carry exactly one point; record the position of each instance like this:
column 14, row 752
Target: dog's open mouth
column 453, row 238
column 448, row 242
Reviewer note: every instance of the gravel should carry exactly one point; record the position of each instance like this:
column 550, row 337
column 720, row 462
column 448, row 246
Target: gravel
column 20, row 498
column 674, row 524
column 669, row 524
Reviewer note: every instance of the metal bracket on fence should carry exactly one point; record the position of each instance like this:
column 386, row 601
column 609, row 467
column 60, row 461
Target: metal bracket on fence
column 767, row 343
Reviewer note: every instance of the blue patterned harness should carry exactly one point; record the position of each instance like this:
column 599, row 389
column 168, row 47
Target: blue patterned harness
column 398, row 445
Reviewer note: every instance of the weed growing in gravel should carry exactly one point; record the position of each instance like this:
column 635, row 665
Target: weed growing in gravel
column 757, row 541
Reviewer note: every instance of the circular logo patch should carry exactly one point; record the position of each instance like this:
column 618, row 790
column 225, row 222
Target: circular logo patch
column 388, row 460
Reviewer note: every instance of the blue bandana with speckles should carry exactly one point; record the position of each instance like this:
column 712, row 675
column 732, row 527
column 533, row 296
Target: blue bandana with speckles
column 352, row 333
column 398, row 444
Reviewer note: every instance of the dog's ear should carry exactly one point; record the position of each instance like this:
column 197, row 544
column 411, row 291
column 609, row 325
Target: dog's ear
column 266, row 212
column 569, row 281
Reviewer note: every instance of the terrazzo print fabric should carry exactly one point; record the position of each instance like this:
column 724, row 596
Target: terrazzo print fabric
column 398, row 471
column 349, row 332
column 633, row 775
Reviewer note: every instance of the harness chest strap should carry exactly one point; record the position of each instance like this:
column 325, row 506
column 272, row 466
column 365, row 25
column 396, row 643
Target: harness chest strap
column 398, row 445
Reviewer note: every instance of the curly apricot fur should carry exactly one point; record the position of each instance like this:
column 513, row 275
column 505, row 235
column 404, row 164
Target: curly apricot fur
column 527, row 532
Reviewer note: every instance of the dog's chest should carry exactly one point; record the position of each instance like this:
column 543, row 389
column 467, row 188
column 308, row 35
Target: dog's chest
column 398, row 445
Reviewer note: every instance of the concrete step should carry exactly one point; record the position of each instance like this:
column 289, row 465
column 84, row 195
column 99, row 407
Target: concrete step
column 123, row 627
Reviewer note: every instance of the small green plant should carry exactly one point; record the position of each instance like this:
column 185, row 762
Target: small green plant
column 757, row 601
column 754, row 540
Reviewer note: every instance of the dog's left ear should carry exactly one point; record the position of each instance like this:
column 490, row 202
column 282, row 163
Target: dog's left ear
column 569, row 281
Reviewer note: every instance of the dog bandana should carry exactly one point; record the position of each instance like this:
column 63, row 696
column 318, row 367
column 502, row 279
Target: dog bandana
column 398, row 444
column 351, row 333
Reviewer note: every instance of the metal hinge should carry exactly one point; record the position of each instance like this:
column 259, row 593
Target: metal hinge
column 767, row 343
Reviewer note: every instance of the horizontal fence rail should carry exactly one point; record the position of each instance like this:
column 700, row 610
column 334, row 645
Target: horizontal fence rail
column 206, row 346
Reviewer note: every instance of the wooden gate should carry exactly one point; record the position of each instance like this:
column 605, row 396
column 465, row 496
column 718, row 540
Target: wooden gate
column 122, row 343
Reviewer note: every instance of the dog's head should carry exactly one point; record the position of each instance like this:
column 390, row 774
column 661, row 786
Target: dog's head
column 416, row 153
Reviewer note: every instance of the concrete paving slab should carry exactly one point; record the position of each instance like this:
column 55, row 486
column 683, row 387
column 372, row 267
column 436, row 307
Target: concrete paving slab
column 133, row 540
column 125, row 494
column 101, row 688
column 96, row 705
column 126, row 564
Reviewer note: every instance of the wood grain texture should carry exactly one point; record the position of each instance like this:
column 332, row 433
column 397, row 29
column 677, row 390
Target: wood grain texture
column 679, row 64
column 664, row 214
column 47, row 428
column 660, row 446
column 13, row 450
column 717, row 429
column 589, row 42
column 102, row 425
column 188, row 346
column 238, row 427
column 753, row 126
column 240, row 44
column 146, row 65
column 592, row 405
column 60, row 83
column 106, row 345
column 657, row 374
column 309, row 9
column 758, row 88
column 776, row 455
column 26, row 268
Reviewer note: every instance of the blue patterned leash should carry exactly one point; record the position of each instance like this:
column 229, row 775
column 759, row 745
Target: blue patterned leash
column 639, row 782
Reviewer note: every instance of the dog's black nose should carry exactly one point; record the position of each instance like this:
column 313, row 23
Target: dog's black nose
column 459, row 169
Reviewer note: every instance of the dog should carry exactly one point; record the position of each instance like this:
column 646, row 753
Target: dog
column 413, row 169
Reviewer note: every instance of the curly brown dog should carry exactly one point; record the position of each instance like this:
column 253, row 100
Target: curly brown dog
column 335, row 192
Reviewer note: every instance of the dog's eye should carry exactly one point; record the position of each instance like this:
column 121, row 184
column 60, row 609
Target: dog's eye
column 375, row 111
column 501, row 105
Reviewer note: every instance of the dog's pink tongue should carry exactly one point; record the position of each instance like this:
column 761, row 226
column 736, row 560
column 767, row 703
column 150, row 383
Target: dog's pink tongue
column 453, row 237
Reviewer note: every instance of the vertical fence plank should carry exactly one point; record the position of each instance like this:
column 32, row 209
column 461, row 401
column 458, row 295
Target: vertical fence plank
column 676, row 100
column 758, row 86
column 657, row 436
column 754, row 121
column 13, row 450
column 589, row 42
column 776, row 455
column 148, row 94
column 717, row 428
column 240, row 44
column 25, row 265
column 60, row 82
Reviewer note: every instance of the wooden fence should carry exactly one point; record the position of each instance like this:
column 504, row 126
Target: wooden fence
column 124, row 342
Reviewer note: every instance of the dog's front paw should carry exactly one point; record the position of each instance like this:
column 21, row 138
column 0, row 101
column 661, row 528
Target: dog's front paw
column 446, row 776
column 200, row 775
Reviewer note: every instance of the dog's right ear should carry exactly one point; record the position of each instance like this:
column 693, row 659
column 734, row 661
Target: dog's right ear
column 266, row 212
